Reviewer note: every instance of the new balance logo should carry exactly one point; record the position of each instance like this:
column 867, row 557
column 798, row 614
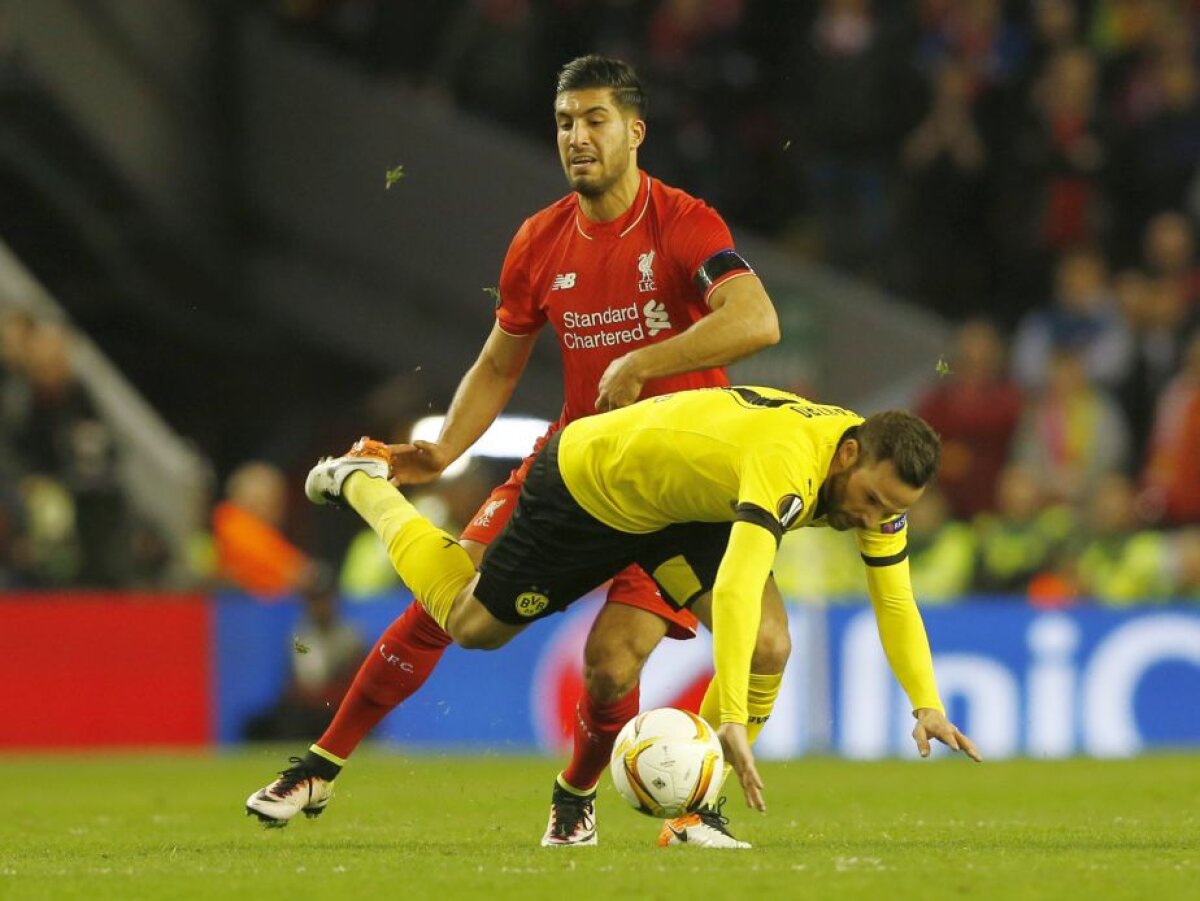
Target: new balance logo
column 563, row 281
column 657, row 319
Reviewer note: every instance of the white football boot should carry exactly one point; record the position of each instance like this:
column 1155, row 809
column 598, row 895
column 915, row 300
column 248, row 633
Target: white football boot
column 325, row 480
column 297, row 790
column 572, row 819
column 706, row 828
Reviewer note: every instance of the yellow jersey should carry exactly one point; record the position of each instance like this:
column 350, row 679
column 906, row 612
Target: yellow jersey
column 751, row 455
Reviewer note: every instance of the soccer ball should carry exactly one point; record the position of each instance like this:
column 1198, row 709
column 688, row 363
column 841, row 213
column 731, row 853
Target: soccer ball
column 667, row 763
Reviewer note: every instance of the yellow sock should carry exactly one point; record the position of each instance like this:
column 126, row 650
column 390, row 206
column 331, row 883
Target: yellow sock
column 432, row 564
column 760, row 701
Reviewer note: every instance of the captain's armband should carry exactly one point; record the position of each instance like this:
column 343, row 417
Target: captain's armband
column 718, row 266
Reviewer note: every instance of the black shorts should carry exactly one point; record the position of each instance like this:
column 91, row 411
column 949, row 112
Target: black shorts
column 553, row 551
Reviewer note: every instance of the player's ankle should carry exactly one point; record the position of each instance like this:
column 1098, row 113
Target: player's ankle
column 321, row 766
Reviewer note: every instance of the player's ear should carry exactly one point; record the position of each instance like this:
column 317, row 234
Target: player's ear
column 848, row 452
column 637, row 133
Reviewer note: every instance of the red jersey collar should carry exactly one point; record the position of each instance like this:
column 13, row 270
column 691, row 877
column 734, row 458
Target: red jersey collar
column 623, row 224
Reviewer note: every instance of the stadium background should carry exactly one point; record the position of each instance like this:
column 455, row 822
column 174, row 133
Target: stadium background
column 249, row 232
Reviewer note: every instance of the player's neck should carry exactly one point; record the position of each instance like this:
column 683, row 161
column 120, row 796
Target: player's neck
column 614, row 202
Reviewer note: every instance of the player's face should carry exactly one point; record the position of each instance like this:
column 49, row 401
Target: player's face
column 596, row 139
column 867, row 494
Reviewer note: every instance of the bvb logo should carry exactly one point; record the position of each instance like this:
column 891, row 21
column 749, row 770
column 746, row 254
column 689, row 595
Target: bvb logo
column 531, row 603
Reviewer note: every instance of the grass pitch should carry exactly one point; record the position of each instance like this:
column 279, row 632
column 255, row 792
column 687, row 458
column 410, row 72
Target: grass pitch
column 153, row 826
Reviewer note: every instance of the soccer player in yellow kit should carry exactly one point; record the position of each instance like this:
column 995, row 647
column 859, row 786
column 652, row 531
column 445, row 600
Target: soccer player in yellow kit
column 697, row 488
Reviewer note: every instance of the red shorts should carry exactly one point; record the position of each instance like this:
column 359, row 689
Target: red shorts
column 631, row 586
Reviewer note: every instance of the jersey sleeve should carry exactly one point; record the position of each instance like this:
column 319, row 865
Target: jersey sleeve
column 736, row 611
column 770, row 493
column 884, row 550
column 697, row 234
column 517, row 310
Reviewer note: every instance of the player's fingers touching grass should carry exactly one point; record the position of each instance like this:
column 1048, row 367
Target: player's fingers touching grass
column 968, row 747
column 752, row 788
column 933, row 724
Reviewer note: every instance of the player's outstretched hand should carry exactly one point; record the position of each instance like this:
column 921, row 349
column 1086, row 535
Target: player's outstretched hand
column 933, row 724
column 417, row 463
column 736, row 745
column 620, row 385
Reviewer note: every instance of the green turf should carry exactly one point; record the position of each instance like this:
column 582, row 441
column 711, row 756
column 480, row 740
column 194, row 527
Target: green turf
column 467, row 827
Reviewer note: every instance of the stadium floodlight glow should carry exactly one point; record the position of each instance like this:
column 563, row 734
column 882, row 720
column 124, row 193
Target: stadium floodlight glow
column 509, row 437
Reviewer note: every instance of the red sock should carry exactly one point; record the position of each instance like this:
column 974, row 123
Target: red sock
column 596, row 728
column 401, row 661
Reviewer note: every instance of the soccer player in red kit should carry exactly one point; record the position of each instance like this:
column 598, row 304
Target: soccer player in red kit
column 646, row 296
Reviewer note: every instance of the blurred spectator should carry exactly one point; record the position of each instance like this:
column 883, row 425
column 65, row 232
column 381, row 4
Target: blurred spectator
column 977, row 33
column 45, row 550
column 852, row 84
column 252, row 552
column 1055, row 28
column 1072, row 433
column 941, row 550
column 1170, row 255
column 975, row 408
column 1156, row 317
column 1121, row 561
column 1025, row 537
column 56, row 433
column 1172, row 474
column 1163, row 153
column 1083, row 317
column 324, row 654
column 943, row 198
column 1063, row 150
column 56, row 402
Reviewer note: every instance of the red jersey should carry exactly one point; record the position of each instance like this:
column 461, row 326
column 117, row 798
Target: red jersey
column 611, row 287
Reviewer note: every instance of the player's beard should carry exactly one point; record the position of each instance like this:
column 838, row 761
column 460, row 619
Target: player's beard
column 835, row 499
column 590, row 188
column 601, row 185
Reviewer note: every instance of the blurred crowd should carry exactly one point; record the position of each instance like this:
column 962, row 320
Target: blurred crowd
column 1031, row 170
column 64, row 518
column 949, row 150
column 1034, row 162
column 1070, row 463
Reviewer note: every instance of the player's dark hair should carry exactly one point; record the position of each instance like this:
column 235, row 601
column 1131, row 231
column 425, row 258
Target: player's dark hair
column 595, row 71
column 907, row 440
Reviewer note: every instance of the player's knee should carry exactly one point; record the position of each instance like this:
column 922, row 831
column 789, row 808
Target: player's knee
column 477, row 632
column 608, row 679
column 621, row 639
column 771, row 652
column 611, row 667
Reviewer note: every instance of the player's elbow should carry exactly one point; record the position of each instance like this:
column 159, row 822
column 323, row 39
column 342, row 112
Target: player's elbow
column 765, row 328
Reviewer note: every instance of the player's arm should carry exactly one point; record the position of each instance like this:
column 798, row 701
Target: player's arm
column 742, row 322
column 736, row 611
column 480, row 397
column 906, row 645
